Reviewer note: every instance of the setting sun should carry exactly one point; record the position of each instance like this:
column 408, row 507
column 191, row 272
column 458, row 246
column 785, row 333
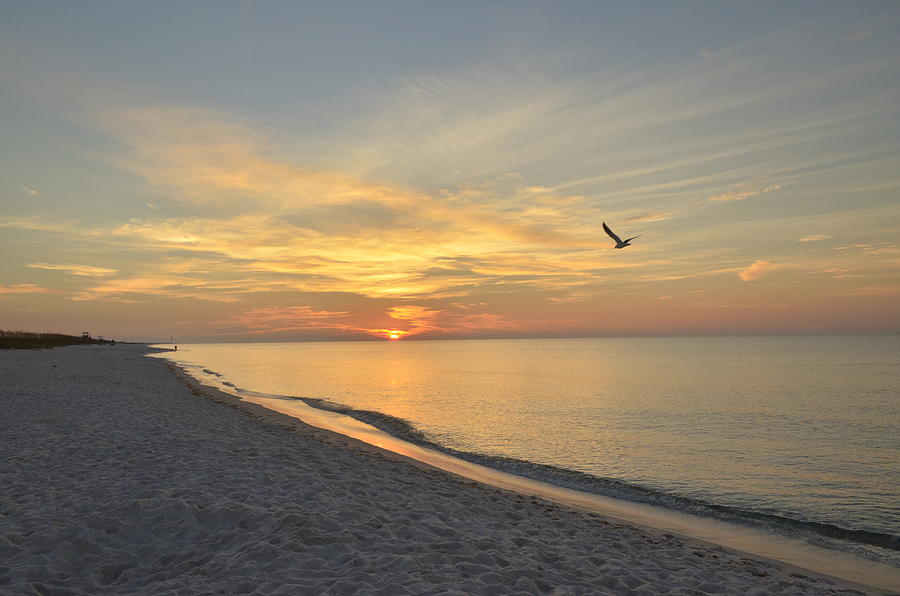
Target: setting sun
column 394, row 336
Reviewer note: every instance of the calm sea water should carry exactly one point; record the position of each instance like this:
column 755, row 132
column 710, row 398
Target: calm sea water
column 795, row 434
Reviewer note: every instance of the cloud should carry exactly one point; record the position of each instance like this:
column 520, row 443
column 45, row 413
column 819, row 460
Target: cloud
column 222, row 258
column 269, row 221
column 23, row 289
column 207, row 157
column 485, row 321
column 80, row 270
column 574, row 297
column 875, row 248
column 415, row 314
column 422, row 320
column 724, row 305
column 134, row 289
column 324, row 230
column 276, row 319
column 648, row 216
column 842, row 273
column 744, row 194
column 756, row 270
column 34, row 224
column 30, row 190
column 418, row 319
column 411, row 320
column 813, row 238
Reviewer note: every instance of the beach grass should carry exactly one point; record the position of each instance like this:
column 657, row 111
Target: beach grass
column 30, row 340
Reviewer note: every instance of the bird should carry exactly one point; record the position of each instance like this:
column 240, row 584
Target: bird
column 619, row 242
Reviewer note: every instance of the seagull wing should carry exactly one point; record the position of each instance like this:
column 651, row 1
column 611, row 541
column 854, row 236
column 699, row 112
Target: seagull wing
column 632, row 238
column 611, row 233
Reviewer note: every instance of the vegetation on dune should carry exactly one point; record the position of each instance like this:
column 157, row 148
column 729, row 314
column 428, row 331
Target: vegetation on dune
column 28, row 340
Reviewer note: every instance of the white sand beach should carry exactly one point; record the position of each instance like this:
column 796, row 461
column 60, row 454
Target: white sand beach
column 120, row 478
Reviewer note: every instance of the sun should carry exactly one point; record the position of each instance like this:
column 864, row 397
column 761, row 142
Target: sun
column 394, row 336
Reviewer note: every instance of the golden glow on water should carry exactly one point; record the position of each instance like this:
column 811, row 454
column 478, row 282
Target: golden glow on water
column 790, row 426
column 748, row 422
column 794, row 552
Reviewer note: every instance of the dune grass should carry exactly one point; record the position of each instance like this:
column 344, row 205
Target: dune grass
column 29, row 340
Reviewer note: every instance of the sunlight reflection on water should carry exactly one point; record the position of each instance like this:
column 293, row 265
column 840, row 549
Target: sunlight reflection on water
column 800, row 426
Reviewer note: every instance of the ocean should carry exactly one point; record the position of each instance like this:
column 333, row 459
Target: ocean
column 794, row 435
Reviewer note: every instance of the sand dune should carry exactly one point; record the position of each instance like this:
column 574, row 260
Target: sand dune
column 118, row 478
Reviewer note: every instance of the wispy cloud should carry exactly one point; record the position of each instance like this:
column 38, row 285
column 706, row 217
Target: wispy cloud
column 400, row 321
column 139, row 289
column 740, row 195
column 418, row 319
column 728, row 305
column 35, row 224
column 756, row 270
column 30, row 191
column 872, row 248
column 422, row 320
column 279, row 319
column 646, row 217
column 80, row 270
column 23, row 289
column 325, row 230
column 813, row 238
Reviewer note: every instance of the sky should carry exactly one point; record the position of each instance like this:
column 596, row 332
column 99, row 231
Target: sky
column 270, row 171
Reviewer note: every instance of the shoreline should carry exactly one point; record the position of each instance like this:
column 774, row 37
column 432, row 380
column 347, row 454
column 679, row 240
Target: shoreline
column 796, row 555
column 119, row 480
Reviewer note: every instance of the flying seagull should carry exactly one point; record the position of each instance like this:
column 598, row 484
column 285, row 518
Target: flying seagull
column 619, row 242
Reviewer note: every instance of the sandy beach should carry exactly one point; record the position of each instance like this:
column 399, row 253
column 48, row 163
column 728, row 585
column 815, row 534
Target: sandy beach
column 118, row 477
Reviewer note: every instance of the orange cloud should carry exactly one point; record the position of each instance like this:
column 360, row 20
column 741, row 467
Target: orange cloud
column 411, row 320
column 877, row 248
column 413, row 313
column 286, row 226
column 275, row 319
column 422, row 320
column 756, row 270
column 264, row 223
column 160, row 285
column 483, row 322
column 209, row 157
column 80, row 270
column 23, row 289
column 419, row 319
